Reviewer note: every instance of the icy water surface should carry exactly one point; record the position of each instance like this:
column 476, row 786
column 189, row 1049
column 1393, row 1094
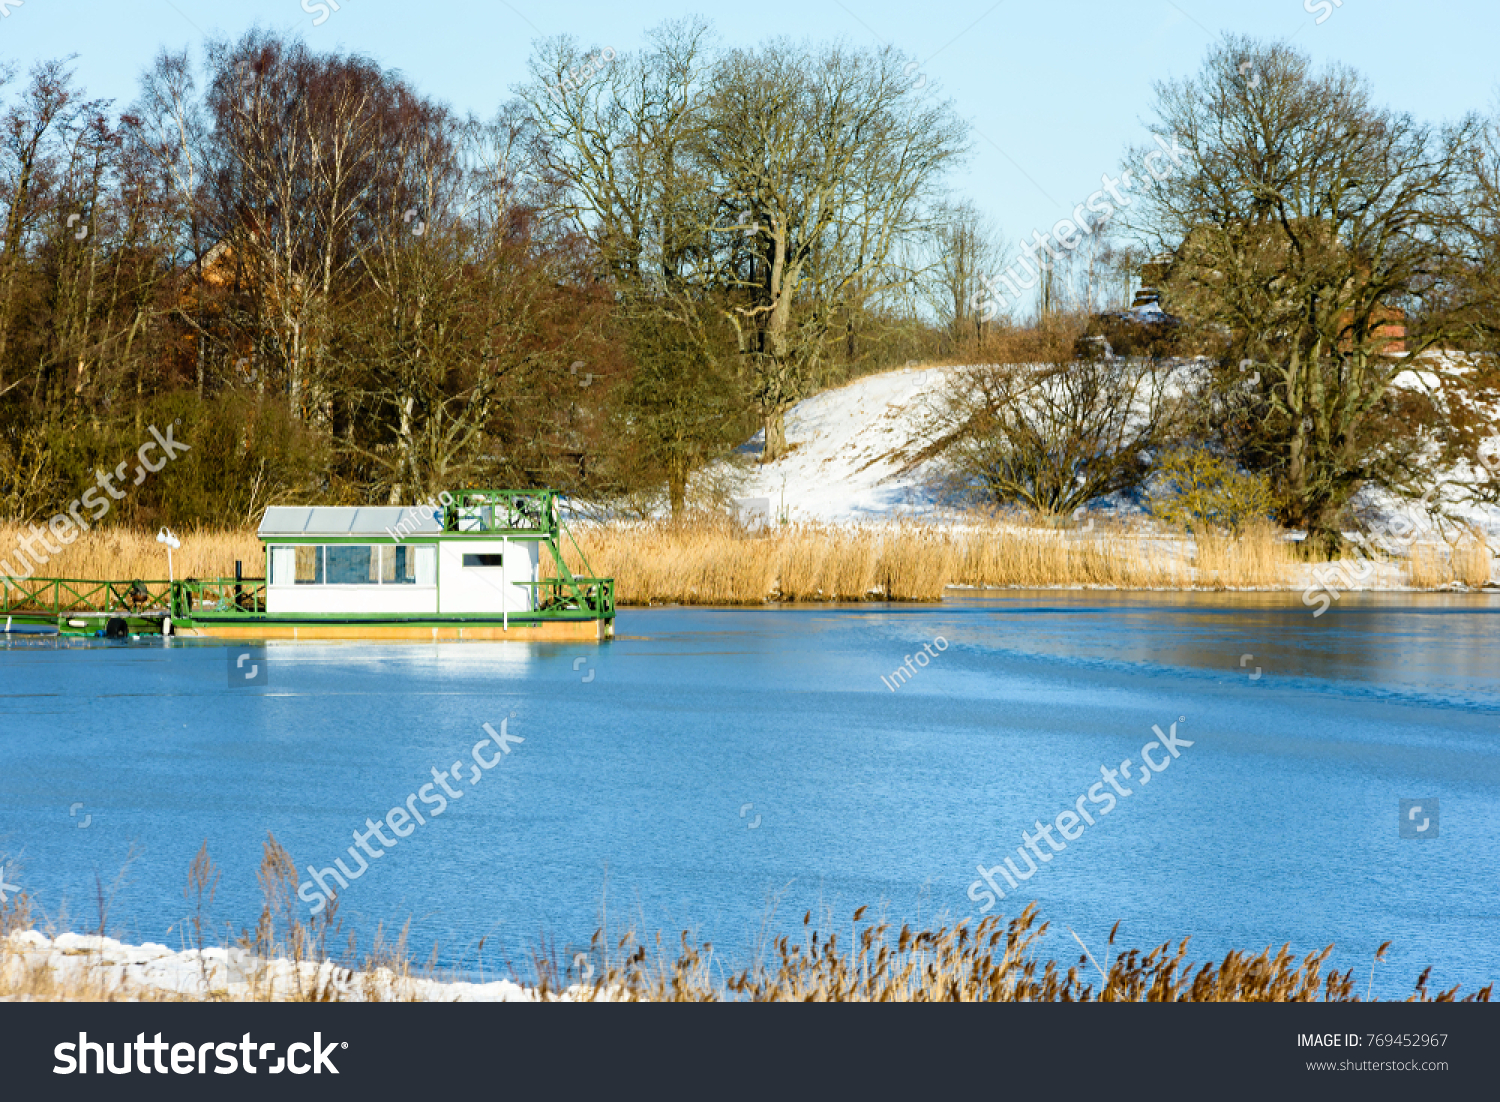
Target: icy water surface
column 710, row 762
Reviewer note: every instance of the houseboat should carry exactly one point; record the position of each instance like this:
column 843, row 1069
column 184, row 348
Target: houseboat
column 475, row 564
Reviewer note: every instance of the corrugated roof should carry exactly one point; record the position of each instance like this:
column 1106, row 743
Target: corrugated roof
column 362, row 521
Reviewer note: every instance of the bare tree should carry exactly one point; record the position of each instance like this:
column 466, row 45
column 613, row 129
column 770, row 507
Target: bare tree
column 301, row 146
column 965, row 248
column 616, row 141
column 618, row 135
column 1049, row 430
column 1305, row 222
column 32, row 149
column 833, row 156
column 167, row 130
column 1474, row 306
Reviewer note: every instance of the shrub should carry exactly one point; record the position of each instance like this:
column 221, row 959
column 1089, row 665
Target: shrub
column 1199, row 490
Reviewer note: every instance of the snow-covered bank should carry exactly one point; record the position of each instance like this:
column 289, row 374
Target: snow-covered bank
column 852, row 452
column 856, row 458
column 91, row 967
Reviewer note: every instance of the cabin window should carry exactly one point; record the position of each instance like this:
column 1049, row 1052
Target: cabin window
column 393, row 566
column 309, row 566
column 426, row 556
column 472, row 561
column 283, row 566
column 406, row 565
column 354, row 564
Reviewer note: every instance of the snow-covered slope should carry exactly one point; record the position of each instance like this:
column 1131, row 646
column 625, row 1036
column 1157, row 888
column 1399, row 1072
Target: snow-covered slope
column 853, row 453
column 850, row 447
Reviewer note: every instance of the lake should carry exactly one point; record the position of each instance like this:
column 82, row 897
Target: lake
column 725, row 770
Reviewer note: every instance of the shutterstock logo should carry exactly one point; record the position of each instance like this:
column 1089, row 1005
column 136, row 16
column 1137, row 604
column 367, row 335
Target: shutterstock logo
column 228, row 1057
column 1419, row 819
column 248, row 666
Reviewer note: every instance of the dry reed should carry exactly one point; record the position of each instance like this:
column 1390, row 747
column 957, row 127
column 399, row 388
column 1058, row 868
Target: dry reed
column 713, row 561
column 1465, row 562
column 287, row 960
column 1256, row 558
column 995, row 961
column 125, row 554
column 284, row 959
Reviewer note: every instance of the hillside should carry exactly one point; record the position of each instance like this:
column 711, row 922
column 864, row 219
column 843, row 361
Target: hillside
column 852, row 451
column 855, row 458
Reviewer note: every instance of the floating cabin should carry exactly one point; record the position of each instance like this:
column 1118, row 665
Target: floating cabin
column 484, row 564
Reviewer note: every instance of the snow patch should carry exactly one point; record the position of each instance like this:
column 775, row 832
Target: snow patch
column 150, row 971
column 852, row 451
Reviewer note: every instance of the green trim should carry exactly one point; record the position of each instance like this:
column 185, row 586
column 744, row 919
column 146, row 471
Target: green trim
column 321, row 541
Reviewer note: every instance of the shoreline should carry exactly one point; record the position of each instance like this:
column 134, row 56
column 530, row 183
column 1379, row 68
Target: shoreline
column 992, row 962
column 714, row 561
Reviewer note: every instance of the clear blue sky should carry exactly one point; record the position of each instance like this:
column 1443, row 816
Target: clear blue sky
column 1054, row 90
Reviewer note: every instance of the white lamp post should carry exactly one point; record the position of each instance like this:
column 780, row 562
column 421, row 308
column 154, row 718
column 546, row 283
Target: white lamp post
column 172, row 542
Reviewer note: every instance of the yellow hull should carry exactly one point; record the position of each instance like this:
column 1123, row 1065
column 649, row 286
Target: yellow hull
column 552, row 631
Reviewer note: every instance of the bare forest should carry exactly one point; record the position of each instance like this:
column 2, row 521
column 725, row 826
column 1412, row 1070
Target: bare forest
column 339, row 290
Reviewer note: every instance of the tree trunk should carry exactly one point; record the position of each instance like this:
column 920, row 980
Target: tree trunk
column 775, row 444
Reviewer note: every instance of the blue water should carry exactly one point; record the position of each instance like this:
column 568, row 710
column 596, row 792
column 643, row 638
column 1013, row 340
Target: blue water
column 629, row 793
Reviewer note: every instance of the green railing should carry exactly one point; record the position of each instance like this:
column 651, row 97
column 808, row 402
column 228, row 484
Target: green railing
column 503, row 511
column 219, row 597
column 595, row 596
column 56, row 596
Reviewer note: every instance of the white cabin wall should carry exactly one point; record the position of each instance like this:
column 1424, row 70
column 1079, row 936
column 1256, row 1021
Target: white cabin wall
column 352, row 600
column 486, row 590
column 459, row 590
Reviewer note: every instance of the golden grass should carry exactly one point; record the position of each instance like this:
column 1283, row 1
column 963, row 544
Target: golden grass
column 1464, row 562
column 287, row 960
column 714, row 562
column 126, row 554
column 995, row 961
column 995, row 556
column 284, row 959
column 1257, row 558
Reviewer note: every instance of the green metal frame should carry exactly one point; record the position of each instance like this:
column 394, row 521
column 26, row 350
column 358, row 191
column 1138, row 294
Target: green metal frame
column 239, row 597
column 523, row 511
column 221, row 600
column 574, row 599
column 56, row 596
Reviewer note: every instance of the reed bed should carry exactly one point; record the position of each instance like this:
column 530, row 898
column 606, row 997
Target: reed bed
column 1256, row 558
column 1464, row 562
column 714, row 561
column 125, row 554
column 287, row 959
column 999, row 557
column 995, row 961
